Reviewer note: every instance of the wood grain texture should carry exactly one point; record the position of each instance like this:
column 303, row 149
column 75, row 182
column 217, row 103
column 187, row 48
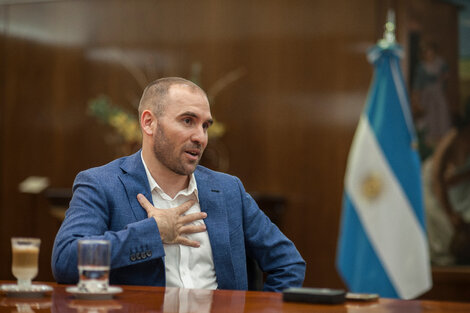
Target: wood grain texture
column 158, row 299
column 290, row 118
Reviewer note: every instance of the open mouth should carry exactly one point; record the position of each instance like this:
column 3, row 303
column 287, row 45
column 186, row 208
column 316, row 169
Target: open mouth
column 193, row 153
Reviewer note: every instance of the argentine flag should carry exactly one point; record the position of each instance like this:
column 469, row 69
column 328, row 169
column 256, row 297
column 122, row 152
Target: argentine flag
column 382, row 244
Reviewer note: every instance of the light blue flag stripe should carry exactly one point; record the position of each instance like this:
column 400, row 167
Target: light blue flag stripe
column 364, row 271
column 392, row 130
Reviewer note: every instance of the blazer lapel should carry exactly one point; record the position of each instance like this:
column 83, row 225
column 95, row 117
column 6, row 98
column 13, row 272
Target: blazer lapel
column 211, row 202
column 135, row 181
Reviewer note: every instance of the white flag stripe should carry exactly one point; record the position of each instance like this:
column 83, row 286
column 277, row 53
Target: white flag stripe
column 404, row 255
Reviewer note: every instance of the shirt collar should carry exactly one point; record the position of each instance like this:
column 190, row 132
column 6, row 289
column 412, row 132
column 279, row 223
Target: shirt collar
column 192, row 186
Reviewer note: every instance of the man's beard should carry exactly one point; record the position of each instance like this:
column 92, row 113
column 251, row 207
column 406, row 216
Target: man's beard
column 163, row 149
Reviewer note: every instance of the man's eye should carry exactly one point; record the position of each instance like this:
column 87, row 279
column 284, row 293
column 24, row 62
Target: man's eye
column 187, row 121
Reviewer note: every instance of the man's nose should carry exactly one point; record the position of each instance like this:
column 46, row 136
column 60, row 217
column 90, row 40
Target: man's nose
column 199, row 135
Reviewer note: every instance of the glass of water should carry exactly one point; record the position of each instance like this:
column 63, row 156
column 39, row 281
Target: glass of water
column 93, row 265
column 24, row 265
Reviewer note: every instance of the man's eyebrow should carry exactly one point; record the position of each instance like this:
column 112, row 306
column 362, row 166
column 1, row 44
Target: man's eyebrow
column 192, row 114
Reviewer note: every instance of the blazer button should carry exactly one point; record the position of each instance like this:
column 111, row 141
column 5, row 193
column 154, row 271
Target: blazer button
column 137, row 256
column 149, row 253
column 132, row 257
column 143, row 255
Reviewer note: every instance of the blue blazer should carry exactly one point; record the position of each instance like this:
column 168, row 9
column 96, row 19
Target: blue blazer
column 104, row 206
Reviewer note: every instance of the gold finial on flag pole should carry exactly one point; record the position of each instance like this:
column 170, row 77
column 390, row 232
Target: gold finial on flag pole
column 389, row 33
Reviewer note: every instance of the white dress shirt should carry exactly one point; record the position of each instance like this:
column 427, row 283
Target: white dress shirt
column 185, row 267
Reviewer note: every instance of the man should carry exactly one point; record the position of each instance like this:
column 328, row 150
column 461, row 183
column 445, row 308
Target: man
column 170, row 221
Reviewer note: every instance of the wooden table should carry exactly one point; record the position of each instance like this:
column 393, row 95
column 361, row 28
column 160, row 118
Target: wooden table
column 158, row 299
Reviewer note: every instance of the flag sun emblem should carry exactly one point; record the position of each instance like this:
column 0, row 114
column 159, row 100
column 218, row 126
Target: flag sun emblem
column 372, row 185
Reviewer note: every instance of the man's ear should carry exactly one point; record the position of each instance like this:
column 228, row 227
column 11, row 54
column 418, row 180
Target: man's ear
column 148, row 121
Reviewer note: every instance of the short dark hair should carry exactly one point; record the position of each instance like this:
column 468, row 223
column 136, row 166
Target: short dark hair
column 154, row 95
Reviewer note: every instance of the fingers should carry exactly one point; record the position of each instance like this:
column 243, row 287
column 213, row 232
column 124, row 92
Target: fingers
column 189, row 218
column 190, row 229
column 186, row 242
column 185, row 206
column 144, row 202
column 172, row 224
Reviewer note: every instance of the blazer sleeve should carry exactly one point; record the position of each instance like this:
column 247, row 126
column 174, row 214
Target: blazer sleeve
column 275, row 254
column 101, row 210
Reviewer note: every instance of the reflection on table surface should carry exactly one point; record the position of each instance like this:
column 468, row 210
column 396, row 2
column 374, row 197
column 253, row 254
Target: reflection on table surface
column 25, row 305
column 158, row 299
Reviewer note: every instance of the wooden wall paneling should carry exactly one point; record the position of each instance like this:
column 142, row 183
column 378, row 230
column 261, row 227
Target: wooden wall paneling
column 53, row 71
column 275, row 97
column 290, row 118
column 3, row 246
column 295, row 81
column 294, row 68
column 39, row 116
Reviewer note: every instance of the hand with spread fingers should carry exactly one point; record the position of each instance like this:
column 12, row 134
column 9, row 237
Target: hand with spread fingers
column 172, row 224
